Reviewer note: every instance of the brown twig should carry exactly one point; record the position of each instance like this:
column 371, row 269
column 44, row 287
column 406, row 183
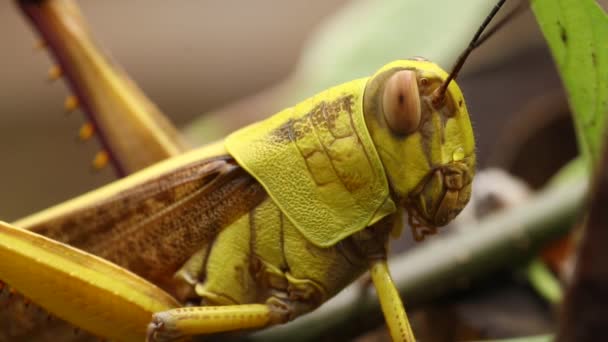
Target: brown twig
column 584, row 315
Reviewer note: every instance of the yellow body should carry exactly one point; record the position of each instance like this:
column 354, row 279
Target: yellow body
column 318, row 163
column 254, row 230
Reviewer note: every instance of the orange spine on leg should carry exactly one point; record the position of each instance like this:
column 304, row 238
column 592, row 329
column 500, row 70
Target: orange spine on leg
column 101, row 160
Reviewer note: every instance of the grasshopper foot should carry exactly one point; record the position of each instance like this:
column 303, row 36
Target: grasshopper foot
column 161, row 329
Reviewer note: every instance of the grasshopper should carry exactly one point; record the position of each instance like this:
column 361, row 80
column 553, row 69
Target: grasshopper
column 245, row 233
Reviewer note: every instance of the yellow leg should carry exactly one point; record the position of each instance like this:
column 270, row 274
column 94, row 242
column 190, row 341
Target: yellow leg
column 392, row 307
column 85, row 290
column 178, row 323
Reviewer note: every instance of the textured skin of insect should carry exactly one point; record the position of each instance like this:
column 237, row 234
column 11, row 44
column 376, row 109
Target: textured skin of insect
column 269, row 223
column 331, row 163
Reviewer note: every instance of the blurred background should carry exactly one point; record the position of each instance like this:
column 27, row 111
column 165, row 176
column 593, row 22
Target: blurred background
column 213, row 66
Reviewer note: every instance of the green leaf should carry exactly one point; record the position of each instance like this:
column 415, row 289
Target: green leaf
column 365, row 35
column 577, row 32
column 544, row 281
column 575, row 169
column 356, row 41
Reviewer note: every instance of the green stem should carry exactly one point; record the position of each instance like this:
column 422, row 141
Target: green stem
column 544, row 282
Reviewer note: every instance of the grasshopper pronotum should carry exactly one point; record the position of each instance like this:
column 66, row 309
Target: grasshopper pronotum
column 252, row 231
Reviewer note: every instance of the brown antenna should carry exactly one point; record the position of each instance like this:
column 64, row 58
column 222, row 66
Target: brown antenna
column 439, row 95
column 514, row 13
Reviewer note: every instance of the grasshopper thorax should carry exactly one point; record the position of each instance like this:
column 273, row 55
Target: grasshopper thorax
column 427, row 148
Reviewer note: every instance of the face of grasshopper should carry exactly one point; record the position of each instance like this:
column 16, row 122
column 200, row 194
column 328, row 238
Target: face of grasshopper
column 427, row 148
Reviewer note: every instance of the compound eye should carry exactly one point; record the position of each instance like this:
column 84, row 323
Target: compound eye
column 401, row 102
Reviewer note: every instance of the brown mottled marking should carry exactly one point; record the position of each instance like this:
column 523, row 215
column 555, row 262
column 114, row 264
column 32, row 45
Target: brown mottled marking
column 562, row 33
column 324, row 112
column 153, row 228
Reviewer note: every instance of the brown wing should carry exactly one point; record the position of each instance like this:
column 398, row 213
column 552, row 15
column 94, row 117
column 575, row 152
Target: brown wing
column 151, row 229
column 154, row 227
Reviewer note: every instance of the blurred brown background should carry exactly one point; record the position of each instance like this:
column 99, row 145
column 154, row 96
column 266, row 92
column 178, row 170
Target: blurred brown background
column 189, row 56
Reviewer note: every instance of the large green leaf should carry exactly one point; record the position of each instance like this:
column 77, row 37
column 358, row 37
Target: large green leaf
column 354, row 43
column 577, row 33
column 368, row 34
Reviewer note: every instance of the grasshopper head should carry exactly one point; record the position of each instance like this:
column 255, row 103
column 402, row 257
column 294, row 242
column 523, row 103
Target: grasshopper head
column 426, row 146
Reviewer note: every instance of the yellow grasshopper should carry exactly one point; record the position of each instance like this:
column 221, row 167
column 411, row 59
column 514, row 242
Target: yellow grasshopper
column 245, row 233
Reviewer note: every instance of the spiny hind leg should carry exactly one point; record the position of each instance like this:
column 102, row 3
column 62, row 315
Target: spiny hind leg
column 105, row 93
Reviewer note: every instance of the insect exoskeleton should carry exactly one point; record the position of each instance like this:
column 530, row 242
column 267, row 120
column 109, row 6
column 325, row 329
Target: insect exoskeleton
column 427, row 147
column 345, row 158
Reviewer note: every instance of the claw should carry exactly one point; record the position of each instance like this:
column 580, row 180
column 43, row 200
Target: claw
column 153, row 328
column 162, row 329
